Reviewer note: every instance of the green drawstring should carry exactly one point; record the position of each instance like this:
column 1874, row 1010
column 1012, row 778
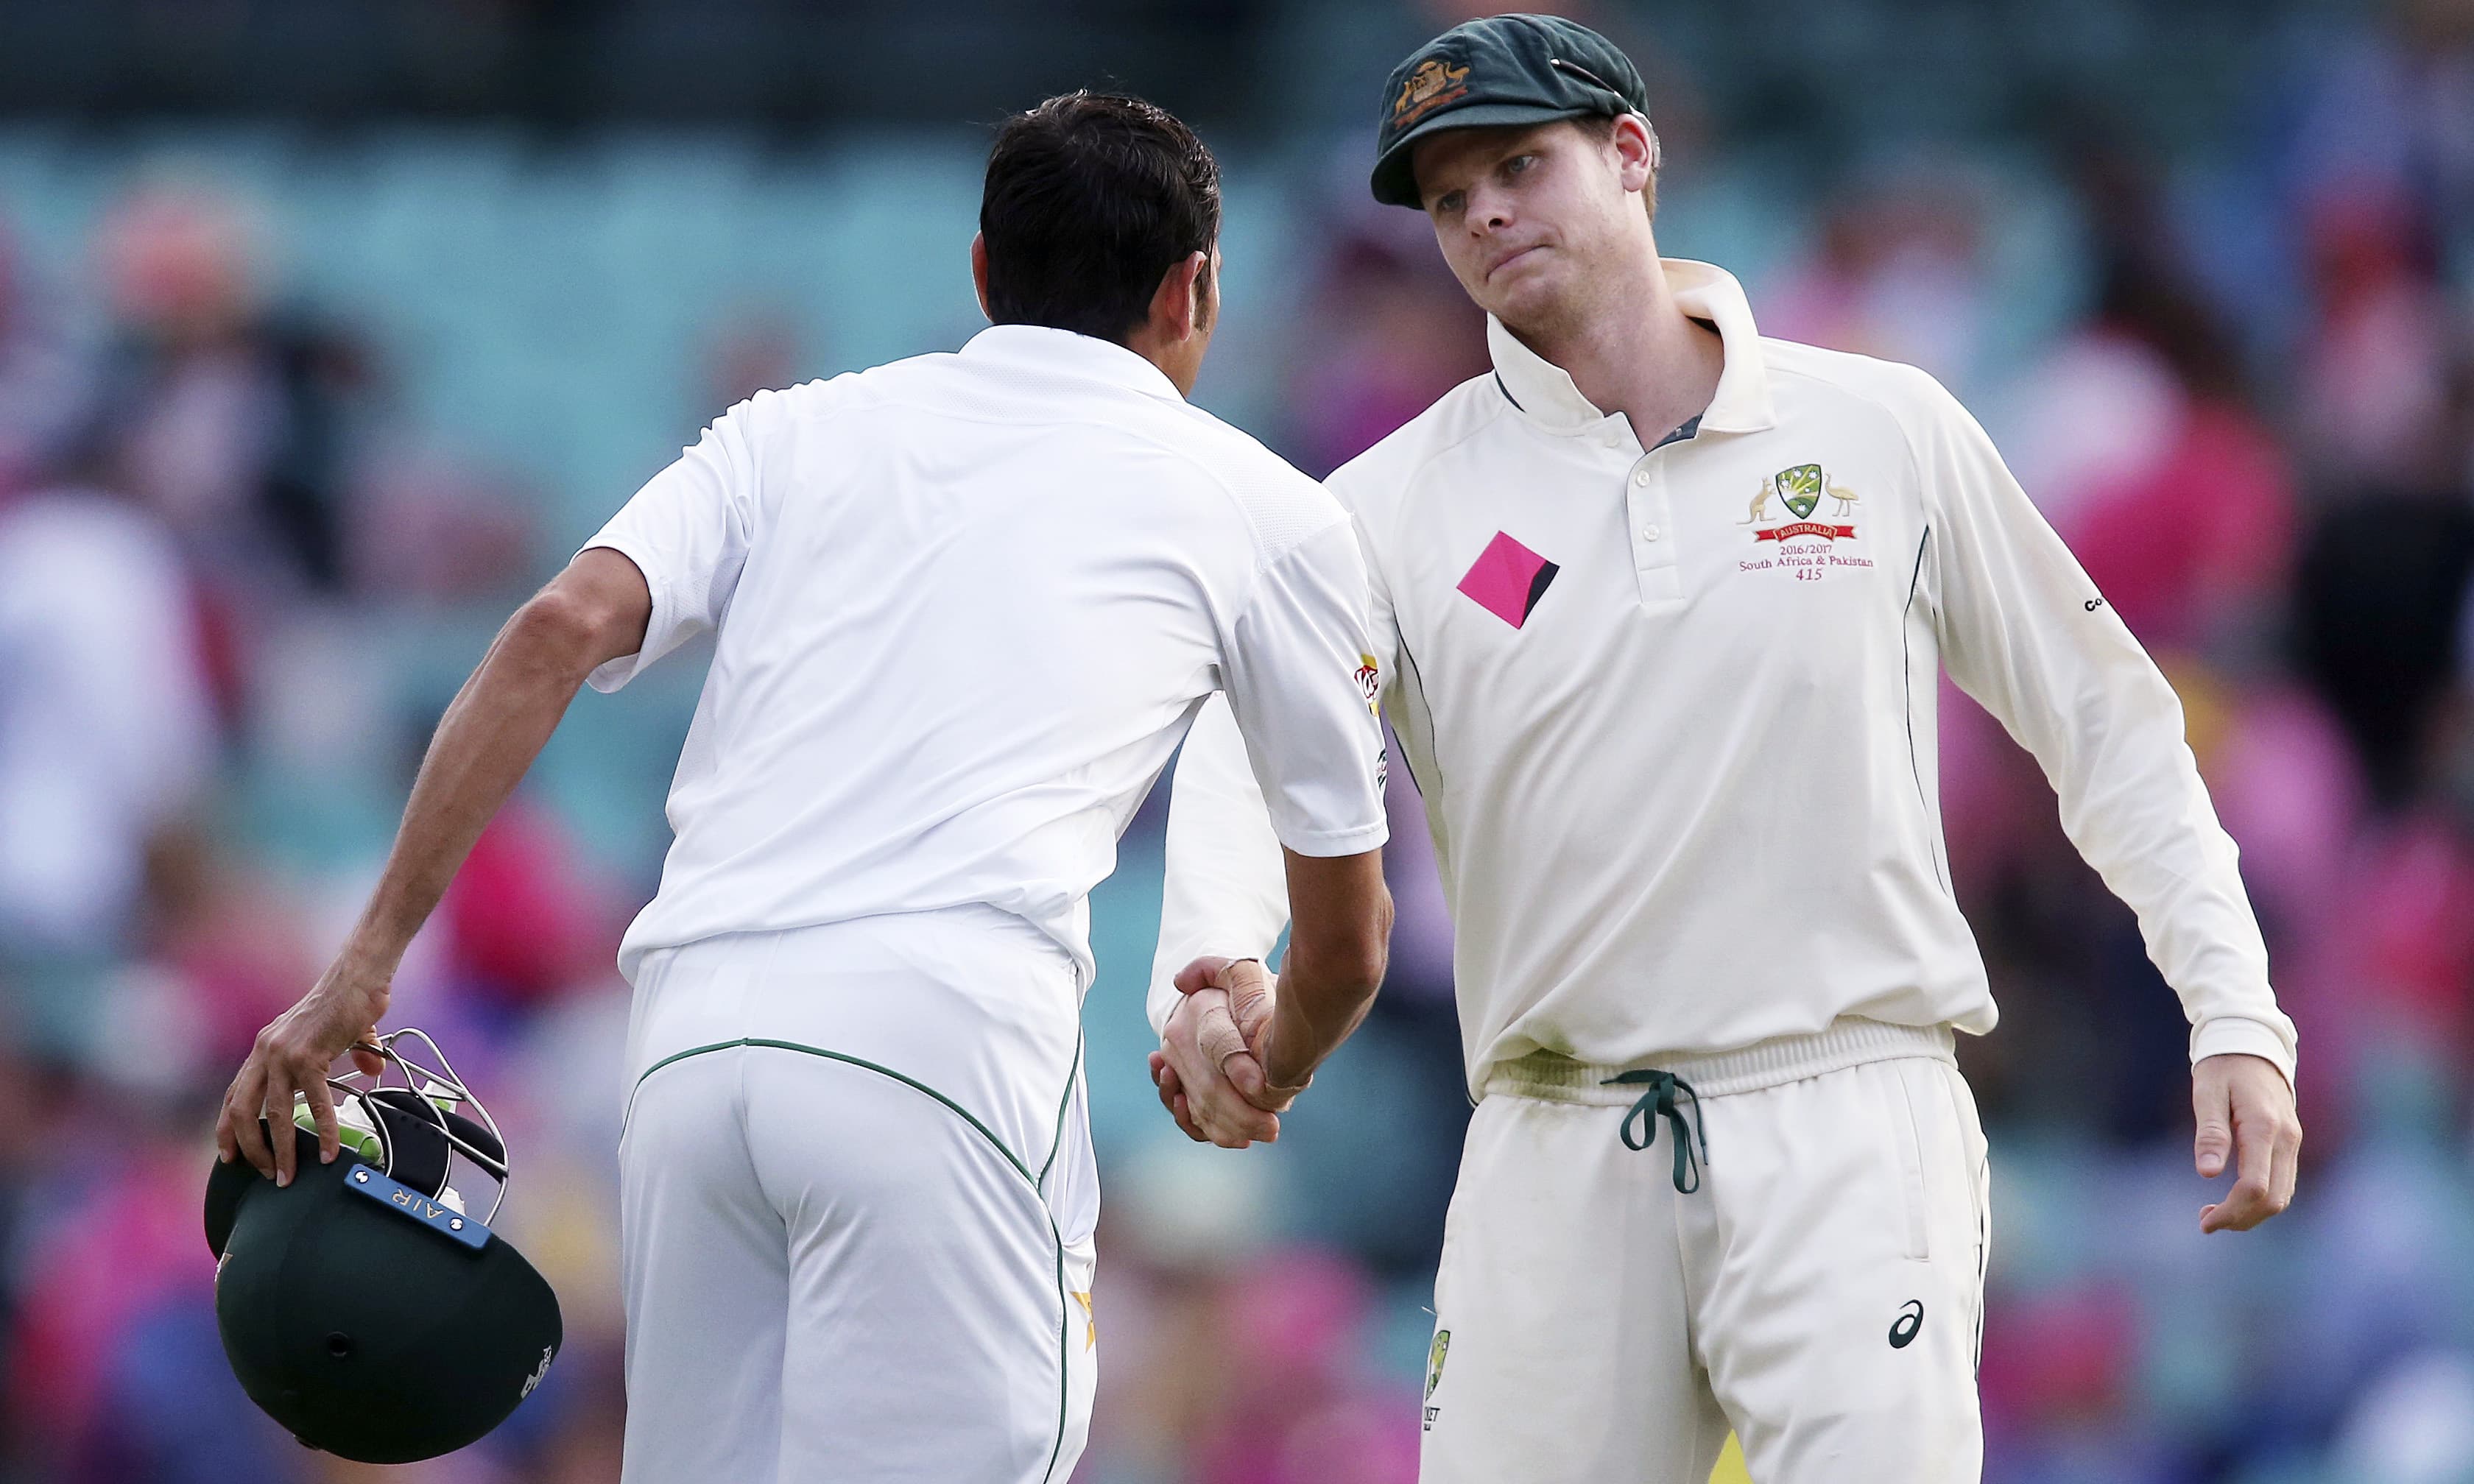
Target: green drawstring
column 1659, row 1102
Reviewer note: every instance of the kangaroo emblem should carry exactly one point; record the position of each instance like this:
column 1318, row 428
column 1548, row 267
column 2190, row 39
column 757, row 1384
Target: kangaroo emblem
column 1760, row 510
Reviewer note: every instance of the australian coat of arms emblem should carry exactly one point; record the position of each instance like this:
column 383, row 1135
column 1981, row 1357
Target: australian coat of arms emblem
column 1434, row 83
column 1800, row 491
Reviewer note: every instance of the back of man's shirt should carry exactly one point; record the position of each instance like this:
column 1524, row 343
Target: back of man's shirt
column 966, row 606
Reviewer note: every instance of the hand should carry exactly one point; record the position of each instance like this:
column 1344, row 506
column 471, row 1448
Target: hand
column 293, row 1054
column 2245, row 1110
column 1207, row 1071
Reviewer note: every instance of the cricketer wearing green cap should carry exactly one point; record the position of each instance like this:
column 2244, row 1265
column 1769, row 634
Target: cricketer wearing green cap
column 1659, row 609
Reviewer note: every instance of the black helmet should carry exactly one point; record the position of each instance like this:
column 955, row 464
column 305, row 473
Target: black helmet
column 362, row 1306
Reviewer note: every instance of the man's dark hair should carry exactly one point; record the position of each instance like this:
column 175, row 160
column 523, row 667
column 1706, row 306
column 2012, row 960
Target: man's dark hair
column 1091, row 199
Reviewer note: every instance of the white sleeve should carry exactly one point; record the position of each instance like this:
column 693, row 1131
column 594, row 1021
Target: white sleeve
column 1226, row 887
column 687, row 531
column 1227, row 890
column 1291, row 665
column 2024, row 632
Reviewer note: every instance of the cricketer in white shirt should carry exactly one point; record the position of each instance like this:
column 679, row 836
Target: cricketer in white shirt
column 965, row 607
column 1671, row 713
column 1660, row 606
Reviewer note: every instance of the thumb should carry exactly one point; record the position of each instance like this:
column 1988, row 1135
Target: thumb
column 1202, row 974
column 1249, row 994
column 364, row 1058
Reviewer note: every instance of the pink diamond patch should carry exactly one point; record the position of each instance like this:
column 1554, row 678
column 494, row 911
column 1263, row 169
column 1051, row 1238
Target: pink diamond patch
column 1507, row 580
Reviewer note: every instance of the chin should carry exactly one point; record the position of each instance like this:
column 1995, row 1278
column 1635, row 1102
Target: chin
column 1532, row 300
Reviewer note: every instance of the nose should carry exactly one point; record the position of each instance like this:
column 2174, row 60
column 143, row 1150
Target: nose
column 1490, row 210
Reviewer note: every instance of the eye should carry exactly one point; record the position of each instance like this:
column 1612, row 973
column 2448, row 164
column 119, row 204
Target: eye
column 1449, row 204
column 1518, row 164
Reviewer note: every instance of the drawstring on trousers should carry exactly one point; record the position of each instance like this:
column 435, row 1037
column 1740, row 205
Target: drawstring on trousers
column 1659, row 1102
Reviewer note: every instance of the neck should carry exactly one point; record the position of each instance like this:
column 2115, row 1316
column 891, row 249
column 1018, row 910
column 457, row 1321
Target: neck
column 1177, row 359
column 1636, row 352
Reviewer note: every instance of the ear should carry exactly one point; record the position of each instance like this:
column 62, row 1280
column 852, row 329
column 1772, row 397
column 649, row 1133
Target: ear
column 1177, row 304
column 980, row 272
column 1637, row 151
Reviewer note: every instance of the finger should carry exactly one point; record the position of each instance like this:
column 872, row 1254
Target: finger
column 365, row 1053
column 279, row 1121
column 1199, row 975
column 242, row 1106
column 1231, row 1121
column 1245, row 1073
column 1186, row 1120
column 1217, row 1037
column 1158, row 1065
column 227, row 1145
column 2211, row 1103
column 2247, row 1205
column 322, row 1116
column 2288, row 1168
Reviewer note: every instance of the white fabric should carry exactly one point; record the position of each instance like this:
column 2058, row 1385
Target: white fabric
column 863, row 1253
column 1605, row 1329
column 1690, row 803
column 966, row 606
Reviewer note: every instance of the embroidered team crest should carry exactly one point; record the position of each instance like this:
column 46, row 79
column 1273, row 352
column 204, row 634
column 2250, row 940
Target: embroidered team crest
column 1799, row 489
column 1433, row 85
column 1435, row 1361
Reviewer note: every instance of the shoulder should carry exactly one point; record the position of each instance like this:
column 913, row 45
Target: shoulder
column 1280, row 505
column 1812, row 381
column 1378, row 483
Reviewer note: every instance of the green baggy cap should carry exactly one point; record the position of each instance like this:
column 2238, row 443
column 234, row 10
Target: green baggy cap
column 1500, row 70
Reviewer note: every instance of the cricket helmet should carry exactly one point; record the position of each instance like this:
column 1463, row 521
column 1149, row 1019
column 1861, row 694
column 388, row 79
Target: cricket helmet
column 364, row 1307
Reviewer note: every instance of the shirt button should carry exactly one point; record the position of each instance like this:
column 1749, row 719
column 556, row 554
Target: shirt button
column 1650, row 533
column 1640, row 476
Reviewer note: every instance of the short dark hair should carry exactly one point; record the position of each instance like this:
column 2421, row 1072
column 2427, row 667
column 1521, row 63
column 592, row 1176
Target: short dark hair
column 1091, row 199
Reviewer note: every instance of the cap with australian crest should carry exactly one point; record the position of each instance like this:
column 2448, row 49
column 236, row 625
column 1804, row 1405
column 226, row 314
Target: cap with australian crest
column 1500, row 71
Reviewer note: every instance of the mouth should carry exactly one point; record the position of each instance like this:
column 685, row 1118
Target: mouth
column 1510, row 259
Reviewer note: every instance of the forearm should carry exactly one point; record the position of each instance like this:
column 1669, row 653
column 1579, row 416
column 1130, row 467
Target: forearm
column 1324, row 997
column 489, row 735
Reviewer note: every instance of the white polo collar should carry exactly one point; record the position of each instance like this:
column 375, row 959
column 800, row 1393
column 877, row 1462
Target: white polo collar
column 1544, row 393
column 1043, row 348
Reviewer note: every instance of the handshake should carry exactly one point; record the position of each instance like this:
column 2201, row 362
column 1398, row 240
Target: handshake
column 1214, row 1067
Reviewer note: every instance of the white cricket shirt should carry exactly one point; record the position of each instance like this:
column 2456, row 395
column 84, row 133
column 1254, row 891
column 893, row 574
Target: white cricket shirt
column 1671, row 711
column 966, row 606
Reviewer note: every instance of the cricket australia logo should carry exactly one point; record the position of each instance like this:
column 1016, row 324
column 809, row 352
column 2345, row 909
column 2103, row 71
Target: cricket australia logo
column 1797, row 492
column 1801, row 490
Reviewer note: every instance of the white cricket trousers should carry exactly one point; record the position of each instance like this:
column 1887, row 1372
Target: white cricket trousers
column 857, row 1200
column 1821, row 1291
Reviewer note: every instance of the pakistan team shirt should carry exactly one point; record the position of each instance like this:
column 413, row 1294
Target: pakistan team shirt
column 963, row 609
column 1671, row 711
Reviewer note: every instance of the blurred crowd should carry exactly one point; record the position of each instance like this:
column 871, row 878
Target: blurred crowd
column 239, row 578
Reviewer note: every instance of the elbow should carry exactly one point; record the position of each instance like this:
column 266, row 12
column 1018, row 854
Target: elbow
column 568, row 630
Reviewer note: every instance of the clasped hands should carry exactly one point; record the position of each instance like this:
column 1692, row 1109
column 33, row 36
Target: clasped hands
column 1210, row 1067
